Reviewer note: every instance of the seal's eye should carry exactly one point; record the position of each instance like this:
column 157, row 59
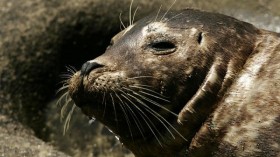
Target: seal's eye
column 162, row 47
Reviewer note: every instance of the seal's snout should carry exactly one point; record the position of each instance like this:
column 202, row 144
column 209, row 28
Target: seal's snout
column 87, row 67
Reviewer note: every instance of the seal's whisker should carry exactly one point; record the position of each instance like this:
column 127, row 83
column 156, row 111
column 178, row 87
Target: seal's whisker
column 66, row 75
column 141, row 85
column 141, row 113
column 157, row 104
column 152, row 92
column 151, row 101
column 104, row 103
column 68, row 119
column 115, row 111
column 157, row 13
column 168, row 123
column 145, row 88
column 125, row 115
column 167, row 10
column 134, row 14
column 63, row 109
column 143, row 97
column 137, row 122
column 173, row 17
column 137, row 77
column 62, row 88
column 154, row 96
column 152, row 112
column 71, row 69
column 121, row 27
column 130, row 12
column 65, row 80
column 120, row 18
column 58, row 102
column 65, row 83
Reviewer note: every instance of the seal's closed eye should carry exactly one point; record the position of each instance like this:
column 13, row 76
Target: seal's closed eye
column 162, row 47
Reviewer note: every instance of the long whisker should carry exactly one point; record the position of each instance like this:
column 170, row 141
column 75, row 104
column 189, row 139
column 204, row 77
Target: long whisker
column 168, row 123
column 120, row 18
column 130, row 12
column 173, row 17
column 71, row 69
column 152, row 112
column 62, row 88
column 66, row 75
column 126, row 96
column 151, row 101
column 154, row 96
column 68, row 119
column 134, row 14
column 145, row 98
column 141, row 85
column 157, row 13
column 137, row 77
column 104, row 103
column 115, row 111
column 150, row 90
column 143, row 114
column 125, row 115
column 168, row 10
column 63, row 109
column 58, row 102
column 137, row 122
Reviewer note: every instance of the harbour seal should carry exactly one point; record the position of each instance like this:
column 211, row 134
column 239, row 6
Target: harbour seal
column 186, row 83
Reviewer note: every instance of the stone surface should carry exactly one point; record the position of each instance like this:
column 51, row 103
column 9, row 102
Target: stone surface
column 17, row 141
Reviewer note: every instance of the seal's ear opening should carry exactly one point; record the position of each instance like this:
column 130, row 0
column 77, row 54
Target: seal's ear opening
column 199, row 38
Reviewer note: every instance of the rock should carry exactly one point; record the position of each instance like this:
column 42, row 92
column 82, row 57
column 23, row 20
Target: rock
column 16, row 141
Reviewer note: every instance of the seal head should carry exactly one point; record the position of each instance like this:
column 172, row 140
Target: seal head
column 162, row 77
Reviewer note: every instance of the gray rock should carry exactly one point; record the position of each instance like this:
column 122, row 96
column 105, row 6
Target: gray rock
column 17, row 141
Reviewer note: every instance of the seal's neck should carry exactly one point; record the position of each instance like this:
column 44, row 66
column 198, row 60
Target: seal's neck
column 221, row 74
column 209, row 137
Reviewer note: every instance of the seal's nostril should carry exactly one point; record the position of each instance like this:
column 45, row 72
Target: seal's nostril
column 88, row 66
